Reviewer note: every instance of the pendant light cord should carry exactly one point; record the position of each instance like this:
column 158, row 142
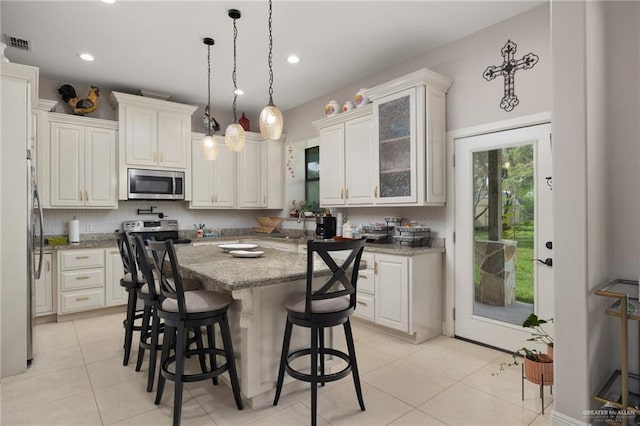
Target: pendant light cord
column 270, row 56
column 208, row 90
column 233, row 75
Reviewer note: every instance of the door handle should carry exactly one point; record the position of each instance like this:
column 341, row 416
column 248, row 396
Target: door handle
column 548, row 261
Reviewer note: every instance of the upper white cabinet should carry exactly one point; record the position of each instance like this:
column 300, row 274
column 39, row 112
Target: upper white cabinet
column 346, row 155
column 409, row 134
column 153, row 134
column 82, row 162
column 250, row 179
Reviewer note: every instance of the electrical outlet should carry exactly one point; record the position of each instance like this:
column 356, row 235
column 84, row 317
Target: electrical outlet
column 89, row 227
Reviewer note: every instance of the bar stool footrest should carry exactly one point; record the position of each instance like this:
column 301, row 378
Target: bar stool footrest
column 197, row 376
column 320, row 378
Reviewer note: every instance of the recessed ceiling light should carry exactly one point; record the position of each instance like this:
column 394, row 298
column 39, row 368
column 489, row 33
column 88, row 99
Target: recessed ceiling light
column 86, row 57
column 239, row 92
column 108, row 1
column 293, row 59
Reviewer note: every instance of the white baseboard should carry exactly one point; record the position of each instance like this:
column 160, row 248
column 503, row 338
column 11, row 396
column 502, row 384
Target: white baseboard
column 562, row 419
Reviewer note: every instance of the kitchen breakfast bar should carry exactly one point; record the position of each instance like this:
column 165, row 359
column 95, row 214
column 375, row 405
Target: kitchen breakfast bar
column 259, row 288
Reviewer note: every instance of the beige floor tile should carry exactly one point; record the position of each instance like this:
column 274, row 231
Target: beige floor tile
column 506, row 384
column 370, row 358
column 54, row 360
column 407, row 382
column 105, row 327
column 391, row 345
column 54, row 335
column 105, row 349
column 29, row 391
column 73, row 410
column 417, row 417
column 542, row 420
column 294, row 415
column 463, row 405
column 127, row 399
column 111, row 371
column 340, row 406
column 192, row 415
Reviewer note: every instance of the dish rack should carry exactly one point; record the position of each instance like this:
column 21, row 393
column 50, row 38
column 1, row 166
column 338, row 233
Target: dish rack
column 414, row 236
column 379, row 233
column 268, row 225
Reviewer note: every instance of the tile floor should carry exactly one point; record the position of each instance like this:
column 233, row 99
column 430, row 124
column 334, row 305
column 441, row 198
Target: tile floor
column 77, row 378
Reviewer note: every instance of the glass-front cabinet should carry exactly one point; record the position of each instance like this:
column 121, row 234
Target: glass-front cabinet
column 396, row 147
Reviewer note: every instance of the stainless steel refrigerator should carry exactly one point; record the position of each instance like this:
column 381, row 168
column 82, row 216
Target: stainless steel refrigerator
column 35, row 245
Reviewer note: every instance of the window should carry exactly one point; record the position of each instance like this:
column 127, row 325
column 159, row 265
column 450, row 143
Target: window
column 312, row 178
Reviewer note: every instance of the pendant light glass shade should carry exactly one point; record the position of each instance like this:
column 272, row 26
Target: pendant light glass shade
column 271, row 122
column 234, row 137
column 209, row 148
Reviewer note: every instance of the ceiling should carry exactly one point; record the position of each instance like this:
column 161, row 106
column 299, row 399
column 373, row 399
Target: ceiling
column 157, row 45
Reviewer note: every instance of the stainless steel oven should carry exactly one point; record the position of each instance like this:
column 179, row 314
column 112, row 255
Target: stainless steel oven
column 155, row 185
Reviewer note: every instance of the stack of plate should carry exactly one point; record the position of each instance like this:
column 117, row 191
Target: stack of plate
column 413, row 235
column 377, row 233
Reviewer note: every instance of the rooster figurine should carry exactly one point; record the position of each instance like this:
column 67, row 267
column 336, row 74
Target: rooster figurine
column 78, row 105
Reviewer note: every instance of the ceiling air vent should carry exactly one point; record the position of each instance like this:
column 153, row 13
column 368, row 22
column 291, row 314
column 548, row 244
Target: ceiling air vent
column 17, row 42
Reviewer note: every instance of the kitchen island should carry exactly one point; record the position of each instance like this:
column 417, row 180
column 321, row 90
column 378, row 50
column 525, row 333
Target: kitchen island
column 259, row 287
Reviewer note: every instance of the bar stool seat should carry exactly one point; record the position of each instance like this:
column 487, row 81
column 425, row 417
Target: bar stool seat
column 296, row 304
column 198, row 301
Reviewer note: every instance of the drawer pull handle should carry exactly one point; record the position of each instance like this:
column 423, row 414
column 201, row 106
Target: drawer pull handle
column 362, row 303
column 82, row 257
column 82, row 299
column 83, row 277
column 363, row 276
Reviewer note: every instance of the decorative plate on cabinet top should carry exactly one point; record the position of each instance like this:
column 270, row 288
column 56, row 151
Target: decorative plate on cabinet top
column 243, row 253
column 229, row 247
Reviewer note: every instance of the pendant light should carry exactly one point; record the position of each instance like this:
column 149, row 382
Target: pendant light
column 271, row 122
column 208, row 145
column 234, row 136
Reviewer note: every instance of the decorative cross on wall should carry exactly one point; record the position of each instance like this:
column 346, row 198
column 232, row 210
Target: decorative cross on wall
column 508, row 70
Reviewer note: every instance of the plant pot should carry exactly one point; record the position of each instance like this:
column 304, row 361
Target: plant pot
column 534, row 371
column 550, row 351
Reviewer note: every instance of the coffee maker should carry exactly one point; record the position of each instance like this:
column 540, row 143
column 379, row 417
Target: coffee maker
column 326, row 227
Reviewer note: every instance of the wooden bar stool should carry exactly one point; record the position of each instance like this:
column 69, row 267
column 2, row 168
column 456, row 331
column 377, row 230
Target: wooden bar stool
column 182, row 311
column 329, row 306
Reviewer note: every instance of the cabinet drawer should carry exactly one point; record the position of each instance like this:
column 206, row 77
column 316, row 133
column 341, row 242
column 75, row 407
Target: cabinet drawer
column 365, row 281
column 367, row 258
column 81, row 301
column 77, row 259
column 365, row 305
column 75, row 280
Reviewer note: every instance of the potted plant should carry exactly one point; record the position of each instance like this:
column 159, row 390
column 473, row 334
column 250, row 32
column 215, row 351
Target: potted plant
column 537, row 365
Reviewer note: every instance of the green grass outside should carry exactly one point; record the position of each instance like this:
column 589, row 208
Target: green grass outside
column 524, row 264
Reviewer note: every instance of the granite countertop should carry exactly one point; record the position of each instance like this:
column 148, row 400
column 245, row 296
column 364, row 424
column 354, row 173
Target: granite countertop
column 213, row 266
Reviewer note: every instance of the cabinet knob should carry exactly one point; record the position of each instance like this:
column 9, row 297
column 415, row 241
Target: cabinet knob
column 86, row 196
column 342, row 194
column 48, row 266
column 81, row 299
column 346, row 193
column 360, row 302
column 363, row 276
column 81, row 199
column 81, row 257
column 375, row 268
column 83, row 277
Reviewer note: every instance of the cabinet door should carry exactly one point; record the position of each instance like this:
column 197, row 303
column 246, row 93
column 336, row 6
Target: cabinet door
column 224, row 177
column 358, row 161
column 100, row 179
column 201, row 177
column 250, row 194
column 275, row 174
column 396, row 136
column 332, row 166
column 436, row 148
column 141, row 130
column 44, row 287
column 392, row 291
column 115, row 294
column 67, row 165
column 173, row 139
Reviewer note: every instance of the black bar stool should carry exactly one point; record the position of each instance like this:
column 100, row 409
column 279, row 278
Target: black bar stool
column 183, row 311
column 329, row 306
column 131, row 281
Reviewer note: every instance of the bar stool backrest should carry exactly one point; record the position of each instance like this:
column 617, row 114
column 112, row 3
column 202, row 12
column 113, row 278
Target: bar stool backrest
column 338, row 285
column 166, row 263
column 127, row 254
column 146, row 268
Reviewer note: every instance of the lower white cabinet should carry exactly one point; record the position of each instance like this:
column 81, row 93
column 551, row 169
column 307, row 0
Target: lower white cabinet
column 44, row 290
column 115, row 294
column 392, row 290
column 81, row 280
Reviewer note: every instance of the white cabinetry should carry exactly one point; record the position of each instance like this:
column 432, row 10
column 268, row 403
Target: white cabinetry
column 80, row 280
column 346, row 154
column 154, row 134
column 409, row 135
column 44, row 290
column 392, row 289
column 82, row 162
column 250, row 179
column 115, row 294
column 213, row 183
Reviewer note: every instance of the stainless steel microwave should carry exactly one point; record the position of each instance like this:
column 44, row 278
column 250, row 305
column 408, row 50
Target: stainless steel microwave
column 155, row 185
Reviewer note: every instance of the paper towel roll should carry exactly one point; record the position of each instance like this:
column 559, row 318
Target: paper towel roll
column 339, row 225
column 74, row 231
